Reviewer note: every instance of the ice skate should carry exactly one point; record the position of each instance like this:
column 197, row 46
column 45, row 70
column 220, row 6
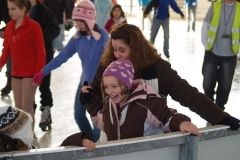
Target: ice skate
column 46, row 119
column 7, row 89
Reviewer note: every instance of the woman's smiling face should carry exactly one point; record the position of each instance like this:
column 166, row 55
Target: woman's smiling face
column 120, row 49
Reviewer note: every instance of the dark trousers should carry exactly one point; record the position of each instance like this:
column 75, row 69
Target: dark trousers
column 8, row 67
column 44, row 88
column 218, row 70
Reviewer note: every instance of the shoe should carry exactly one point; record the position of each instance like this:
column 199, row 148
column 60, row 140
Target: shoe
column 46, row 119
column 167, row 55
column 7, row 89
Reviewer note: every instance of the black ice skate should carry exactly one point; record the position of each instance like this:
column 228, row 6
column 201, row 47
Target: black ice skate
column 46, row 119
column 7, row 89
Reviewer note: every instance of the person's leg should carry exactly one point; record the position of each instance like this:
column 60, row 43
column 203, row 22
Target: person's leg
column 209, row 71
column 7, row 89
column 44, row 88
column 46, row 103
column 154, row 29
column 28, row 95
column 165, row 25
column 225, row 76
column 81, row 118
column 194, row 10
column 189, row 18
column 17, row 90
column 46, row 99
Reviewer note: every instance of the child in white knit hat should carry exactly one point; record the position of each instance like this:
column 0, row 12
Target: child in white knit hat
column 15, row 129
column 132, row 108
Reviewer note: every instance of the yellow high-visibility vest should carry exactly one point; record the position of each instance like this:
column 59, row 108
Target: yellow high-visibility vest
column 214, row 26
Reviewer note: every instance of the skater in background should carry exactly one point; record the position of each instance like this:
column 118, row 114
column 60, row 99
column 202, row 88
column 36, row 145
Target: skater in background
column 24, row 45
column 137, row 105
column 128, row 42
column 103, row 8
column 88, row 42
column 40, row 13
column 143, row 4
column 161, row 18
column 4, row 17
column 220, row 37
column 117, row 16
column 62, row 10
column 192, row 12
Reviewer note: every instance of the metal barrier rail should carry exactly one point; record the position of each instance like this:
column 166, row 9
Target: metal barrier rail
column 166, row 147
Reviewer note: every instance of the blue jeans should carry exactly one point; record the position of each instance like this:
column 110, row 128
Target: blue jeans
column 192, row 9
column 218, row 70
column 156, row 23
column 81, row 118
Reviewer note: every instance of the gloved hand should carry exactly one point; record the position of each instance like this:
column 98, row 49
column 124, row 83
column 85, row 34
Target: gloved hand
column 233, row 122
column 85, row 98
column 68, row 25
column 38, row 77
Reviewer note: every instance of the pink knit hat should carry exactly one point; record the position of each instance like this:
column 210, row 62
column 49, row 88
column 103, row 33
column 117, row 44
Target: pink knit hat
column 85, row 10
column 123, row 70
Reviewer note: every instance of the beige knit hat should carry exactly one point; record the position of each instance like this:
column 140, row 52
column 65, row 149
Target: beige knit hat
column 17, row 124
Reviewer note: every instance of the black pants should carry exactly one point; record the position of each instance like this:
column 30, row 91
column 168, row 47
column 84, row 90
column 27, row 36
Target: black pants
column 218, row 70
column 44, row 88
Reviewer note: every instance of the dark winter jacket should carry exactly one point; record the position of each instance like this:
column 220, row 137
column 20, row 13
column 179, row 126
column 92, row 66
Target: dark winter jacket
column 169, row 83
column 59, row 8
column 48, row 23
column 4, row 12
column 144, row 113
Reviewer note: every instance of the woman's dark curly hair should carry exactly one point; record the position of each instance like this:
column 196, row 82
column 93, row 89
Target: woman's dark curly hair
column 142, row 52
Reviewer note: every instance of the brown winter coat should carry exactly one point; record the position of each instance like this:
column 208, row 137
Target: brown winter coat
column 169, row 83
column 144, row 113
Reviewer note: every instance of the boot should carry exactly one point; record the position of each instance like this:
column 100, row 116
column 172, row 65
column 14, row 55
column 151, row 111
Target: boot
column 7, row 89
column 46, row 119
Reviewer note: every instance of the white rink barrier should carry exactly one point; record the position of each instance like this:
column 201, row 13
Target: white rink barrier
column 216, row 143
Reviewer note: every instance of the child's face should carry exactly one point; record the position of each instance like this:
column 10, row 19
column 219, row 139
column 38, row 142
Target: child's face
column 120, row 49
column 116, row 13
column 113, row 89
column 15, row 12
column 81, row 25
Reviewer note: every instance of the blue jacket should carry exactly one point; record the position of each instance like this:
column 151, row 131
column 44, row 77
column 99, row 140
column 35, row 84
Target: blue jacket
column 161, row 8
column 191, row 3
column 89, row 52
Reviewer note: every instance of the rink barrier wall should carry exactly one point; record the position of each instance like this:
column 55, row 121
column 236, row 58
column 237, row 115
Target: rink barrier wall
column 216, row 143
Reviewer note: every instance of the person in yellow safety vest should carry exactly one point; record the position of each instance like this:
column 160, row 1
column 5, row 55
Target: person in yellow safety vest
column 221, row 38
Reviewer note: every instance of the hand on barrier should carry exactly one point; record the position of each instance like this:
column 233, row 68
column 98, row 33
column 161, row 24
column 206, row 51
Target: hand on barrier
column 233, row 122
column 38, row 77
